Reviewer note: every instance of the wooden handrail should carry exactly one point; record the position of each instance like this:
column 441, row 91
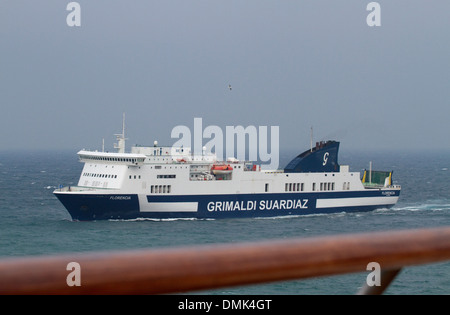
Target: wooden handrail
column 207, row 267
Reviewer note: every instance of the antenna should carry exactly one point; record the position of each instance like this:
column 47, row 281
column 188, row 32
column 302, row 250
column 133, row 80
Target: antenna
column 311, row 139
column 123, row 125
column 120, row 146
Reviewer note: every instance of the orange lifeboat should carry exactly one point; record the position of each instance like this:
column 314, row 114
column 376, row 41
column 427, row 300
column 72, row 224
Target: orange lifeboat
column 221, row 169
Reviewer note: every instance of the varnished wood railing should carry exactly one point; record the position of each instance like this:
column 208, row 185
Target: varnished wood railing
column 157, row 271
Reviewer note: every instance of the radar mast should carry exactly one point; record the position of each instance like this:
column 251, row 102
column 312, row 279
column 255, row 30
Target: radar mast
column 120, row 145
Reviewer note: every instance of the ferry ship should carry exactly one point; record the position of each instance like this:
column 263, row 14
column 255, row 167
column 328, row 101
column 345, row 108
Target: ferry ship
column 162, row 182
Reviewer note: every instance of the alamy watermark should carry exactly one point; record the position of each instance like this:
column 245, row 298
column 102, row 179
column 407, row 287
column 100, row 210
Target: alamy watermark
column 374, row 17
column 374, row 277
column 74, row 16
column 244, row 143
column 73, row 279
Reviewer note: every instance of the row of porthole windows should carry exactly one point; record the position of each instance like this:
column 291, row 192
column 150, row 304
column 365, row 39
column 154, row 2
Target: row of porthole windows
column 323, row 186
column 294, row 187
column 329, row 186
column 346, row 186
column 160, row 189
column 159, row 167
column 166, row 176
column 326, row 186
column 100, row 175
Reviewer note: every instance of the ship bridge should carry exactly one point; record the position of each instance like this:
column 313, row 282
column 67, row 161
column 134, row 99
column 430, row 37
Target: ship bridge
column 109, row 157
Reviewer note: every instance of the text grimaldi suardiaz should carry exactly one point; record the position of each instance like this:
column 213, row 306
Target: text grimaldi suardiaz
column 289, row 204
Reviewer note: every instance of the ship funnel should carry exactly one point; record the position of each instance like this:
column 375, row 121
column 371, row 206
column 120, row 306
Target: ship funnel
column 321, row 158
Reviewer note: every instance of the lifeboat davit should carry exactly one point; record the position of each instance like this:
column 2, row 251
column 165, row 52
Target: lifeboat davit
column 221, row 169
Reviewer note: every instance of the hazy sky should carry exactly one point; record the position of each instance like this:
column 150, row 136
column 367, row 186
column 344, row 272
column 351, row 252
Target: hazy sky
column 292, row 64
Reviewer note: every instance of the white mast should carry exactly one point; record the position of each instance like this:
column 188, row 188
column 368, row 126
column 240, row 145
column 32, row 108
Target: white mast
column 120, row 146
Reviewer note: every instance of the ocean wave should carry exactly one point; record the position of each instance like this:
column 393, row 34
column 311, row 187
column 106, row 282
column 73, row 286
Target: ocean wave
column 161, row 220
column 311, row 215
column 424, row 207
column 281, row 217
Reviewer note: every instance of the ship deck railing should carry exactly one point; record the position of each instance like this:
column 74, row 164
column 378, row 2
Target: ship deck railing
column 206, row 267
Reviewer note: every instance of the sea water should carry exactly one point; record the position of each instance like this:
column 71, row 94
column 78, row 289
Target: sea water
column 33, row 222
